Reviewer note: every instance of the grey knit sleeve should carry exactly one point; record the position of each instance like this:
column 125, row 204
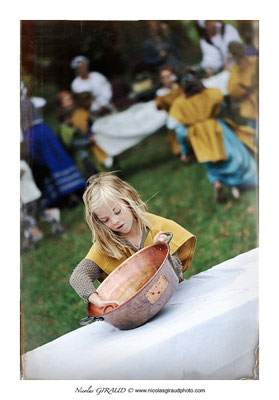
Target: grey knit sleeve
column 83, row 276
column 176, row 264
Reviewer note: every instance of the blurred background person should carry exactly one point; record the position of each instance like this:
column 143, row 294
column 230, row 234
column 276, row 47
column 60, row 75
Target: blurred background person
column 243, row 83
column 169, row 90
column 77, row 143
column 165, row 96
column 93, row 82
column 31, row 207
column 225, row 157
column 215, row 37
column 81, row 119
column 159, row 49
column 249, row 33
column 174, row 40
column 54, row 171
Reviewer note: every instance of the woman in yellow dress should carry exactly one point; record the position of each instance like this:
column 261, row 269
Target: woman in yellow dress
column 195, row 115
column 243, row 83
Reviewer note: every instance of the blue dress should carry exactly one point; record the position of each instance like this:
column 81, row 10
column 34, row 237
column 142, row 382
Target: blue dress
column 239, row 169
column 63, row 176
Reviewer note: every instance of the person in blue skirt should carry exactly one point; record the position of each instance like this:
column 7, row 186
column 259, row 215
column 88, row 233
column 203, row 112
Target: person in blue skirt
column 60, row 177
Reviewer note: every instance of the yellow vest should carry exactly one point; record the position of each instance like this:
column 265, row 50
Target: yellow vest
column 198, row 113
column 247, row 77
column 164, row 102
column 80, row 121
column 183, row 242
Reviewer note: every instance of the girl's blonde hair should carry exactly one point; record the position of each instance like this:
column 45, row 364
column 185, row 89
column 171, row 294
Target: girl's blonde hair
column 100, row 188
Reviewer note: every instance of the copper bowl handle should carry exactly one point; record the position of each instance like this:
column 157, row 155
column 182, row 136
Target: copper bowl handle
column 88, row 320
column 170, row 236
column 109, row 307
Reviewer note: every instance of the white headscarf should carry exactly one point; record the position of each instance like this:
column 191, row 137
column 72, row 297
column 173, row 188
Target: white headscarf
column 78, row 59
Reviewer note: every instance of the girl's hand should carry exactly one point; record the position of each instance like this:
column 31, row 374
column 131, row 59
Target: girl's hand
column 209, row 72
column 161, row 237
column 95, row 299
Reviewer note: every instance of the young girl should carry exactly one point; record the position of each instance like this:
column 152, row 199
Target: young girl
column 120, row 227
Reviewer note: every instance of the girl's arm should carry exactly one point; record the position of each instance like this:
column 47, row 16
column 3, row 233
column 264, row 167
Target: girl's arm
column 211, row 58
column 102, row 92
column 82, row 279
column 177, row 265
column 83, row 276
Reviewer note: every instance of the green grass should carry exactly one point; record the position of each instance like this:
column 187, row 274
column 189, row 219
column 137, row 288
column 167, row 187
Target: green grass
column 51, row 308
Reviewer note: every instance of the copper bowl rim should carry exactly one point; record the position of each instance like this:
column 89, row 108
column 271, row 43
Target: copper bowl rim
column 138, row 252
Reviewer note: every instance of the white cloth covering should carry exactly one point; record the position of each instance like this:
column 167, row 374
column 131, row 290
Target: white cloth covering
column 208, row 330
column 98, row 85
column 38, row 102
column 118, row 132
column 218, row 81
column 29, row 191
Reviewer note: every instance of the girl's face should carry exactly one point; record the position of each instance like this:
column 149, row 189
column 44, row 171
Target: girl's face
column 166, row 78
column 67, row 101
column 116, row 215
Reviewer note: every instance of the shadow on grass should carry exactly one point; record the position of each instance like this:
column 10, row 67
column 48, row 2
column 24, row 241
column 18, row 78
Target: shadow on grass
column 133, row 169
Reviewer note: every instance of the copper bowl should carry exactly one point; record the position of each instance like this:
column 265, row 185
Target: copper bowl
column 142, row 285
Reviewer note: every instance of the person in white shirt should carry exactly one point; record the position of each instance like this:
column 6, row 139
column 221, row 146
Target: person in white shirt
column 214, row 42
column 93, row 82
